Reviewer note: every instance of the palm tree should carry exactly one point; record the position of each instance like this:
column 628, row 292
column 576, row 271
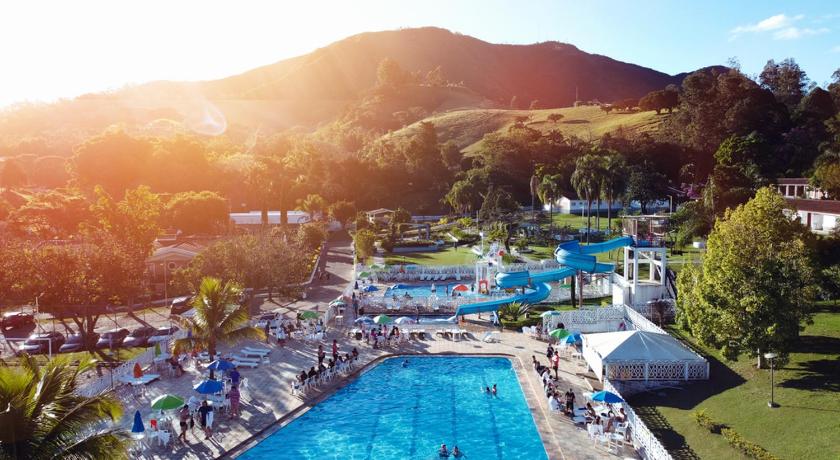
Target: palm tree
column 549, row 189
column 43, row 416
column 585, row 181
column 219, row 317
column 314, row 205
column 615, row 181
column 534, row 188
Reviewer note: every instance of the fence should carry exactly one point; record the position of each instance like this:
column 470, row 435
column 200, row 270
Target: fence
column 646, row 443
column 602, row 319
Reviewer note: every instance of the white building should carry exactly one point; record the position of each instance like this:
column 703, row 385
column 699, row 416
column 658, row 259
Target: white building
column 576, row 205
column 819, row 214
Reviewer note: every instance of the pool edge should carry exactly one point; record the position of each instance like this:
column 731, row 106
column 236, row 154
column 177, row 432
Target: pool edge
column 541, row 425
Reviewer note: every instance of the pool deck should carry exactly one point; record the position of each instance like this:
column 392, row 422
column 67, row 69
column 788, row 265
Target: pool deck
column 267, row 399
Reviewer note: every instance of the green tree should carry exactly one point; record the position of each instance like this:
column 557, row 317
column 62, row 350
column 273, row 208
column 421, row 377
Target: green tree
column 645, row 184
column 786, row 80
column 114, row 160
column 342, row 211
column 219, row 318
column 364, row 241
column 753, row 291
column 550, row 189
column 12, row 175
column 198, row 213
column 826, row 174
column 615, row 181
column 44, row 417
column 315, row 205
column 586, row 181
column 311, row 234
column 451, row 155
column 51, row 214
column 390, row 74
column 497, row 202
column 554, row 117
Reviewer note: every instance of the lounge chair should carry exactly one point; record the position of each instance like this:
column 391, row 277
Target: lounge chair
column 254, row 352
column 491, row 337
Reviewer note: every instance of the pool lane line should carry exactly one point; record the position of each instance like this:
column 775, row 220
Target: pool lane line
column 373, row 431
column 415, row 419
column 495, row 428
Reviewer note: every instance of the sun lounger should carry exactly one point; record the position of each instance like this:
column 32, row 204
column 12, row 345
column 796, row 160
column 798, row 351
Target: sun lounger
column 254, row 352
column 245, row 358
column 248, row 364
column 491, row 337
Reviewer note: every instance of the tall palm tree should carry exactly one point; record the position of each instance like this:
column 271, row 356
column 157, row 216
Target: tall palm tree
column 585, row 181
column 549, row 189
column 219, row 317
column 615, row 181
column 534, row 187
column 44, row 418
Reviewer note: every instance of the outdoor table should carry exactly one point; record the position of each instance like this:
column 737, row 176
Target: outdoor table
column 161, row 437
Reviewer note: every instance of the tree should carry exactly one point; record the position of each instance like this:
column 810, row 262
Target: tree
column 586, row 182
column 44, row 417
column 451, row 155
column 364, row 241
column 497, row 202
column 615, row 181
column 754, row 290
column 827, row 174
column 390, row 74
column 786, row 80
column 219, row 318
column 198, row 213
column 550, row 189
column 645, row 184
column 314, row 205
column 342, row 211
column 554, row 117
column 114, row 160
column 311, row 234
column 51, row 214
column 12, row 175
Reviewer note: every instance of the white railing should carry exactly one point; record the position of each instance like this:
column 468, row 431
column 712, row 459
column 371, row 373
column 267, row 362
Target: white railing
column 601, row 319
column 646, row 443
column 639, row 322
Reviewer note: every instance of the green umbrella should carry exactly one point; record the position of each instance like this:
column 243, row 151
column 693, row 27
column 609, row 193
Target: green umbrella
column 167, row 402
column 548, row 313
column 382, row 319
column 309, row 314
column 157, row 349
column 364, row 275
column 559, row 333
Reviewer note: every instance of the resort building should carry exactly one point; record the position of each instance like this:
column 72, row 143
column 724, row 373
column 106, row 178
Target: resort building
column 380, row 216
column 166, row 259
column 812, row 205
column 252, row 220
column 576, row 205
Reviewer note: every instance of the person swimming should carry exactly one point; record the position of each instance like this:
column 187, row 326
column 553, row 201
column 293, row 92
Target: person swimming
column 494, row 390
column 405, row 363
column 443, row 452
column 457, row 452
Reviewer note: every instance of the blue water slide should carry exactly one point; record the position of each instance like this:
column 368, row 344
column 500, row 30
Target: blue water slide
column 539, row 293
column 572, row 254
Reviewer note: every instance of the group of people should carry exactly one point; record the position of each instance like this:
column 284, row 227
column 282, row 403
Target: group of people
column 443, row 452
column 374, row 334
column 337, row 358
column 557, row 401
column 205, row 411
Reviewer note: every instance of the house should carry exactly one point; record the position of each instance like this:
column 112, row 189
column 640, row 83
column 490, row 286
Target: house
column 576, row 205
column 253, row 219
column 380, row 216
column 165, row 260
column 814, row 210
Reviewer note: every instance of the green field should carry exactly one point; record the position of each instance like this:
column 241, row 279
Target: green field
column 449, row 256
column 467, row 127
column 806, row 425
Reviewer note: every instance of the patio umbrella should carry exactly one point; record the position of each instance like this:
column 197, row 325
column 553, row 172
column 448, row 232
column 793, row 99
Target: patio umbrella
column 309, row 314
column 376, row 267
column 548, row 313
column 370, row 288
column 559, row 333
column 364, row 319
column 364, row 275
column 461, row 287
column 607, row 397
column 137, row 428
column 209, row 387
column 572, row 338
column 138, row 371
column 220, row 365
column 382, row 319
column 405, row 320
column 167, row 402
column 338, row 303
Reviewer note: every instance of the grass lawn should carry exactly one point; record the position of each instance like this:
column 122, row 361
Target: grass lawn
column 806, row 425
column 450, row 256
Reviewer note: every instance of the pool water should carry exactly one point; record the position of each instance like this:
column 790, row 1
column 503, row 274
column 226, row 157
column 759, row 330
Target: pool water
column 392, row 412
column 425, row 290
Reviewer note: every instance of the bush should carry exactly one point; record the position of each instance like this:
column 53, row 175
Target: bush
column 748, row 448
column 703, row 419
column 311, row 234
column 414, row 244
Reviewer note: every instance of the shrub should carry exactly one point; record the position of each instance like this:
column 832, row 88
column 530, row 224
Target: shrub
column 748, row 448
column 703, row 419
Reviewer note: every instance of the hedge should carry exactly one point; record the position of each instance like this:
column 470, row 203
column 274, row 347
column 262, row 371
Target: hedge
column 703, row 419
column 734, row 439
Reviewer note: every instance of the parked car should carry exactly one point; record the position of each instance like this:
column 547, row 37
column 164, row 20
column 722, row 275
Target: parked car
column 15, row 319
column 40, row 343
column 139, row 337
column 75, row 342
column 112, row 338
column 162, row 334
column 180, row 305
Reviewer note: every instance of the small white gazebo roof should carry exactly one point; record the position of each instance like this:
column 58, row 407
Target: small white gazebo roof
column 638, row 346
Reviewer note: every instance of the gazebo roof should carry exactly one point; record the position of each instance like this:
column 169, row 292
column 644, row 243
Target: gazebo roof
column 638, row 346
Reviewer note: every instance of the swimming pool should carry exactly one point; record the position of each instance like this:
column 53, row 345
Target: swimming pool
column 425, row 290
column 391, row 412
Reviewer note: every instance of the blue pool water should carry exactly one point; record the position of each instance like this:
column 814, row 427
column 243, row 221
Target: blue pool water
column 425, row 290
column 391, row 412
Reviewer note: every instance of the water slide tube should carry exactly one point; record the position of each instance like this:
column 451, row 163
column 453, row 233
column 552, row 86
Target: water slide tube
column 571, row 254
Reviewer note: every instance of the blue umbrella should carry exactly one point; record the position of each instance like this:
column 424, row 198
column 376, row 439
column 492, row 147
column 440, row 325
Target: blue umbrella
column 607, row 397
column 137, row 429
column 370, row 288
column 574, row 338
column 221, row 365
column 209, row 387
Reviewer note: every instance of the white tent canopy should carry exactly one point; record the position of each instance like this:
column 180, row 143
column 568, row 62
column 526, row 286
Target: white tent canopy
column 640, row 355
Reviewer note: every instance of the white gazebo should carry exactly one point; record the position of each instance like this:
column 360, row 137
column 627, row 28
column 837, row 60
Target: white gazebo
column 640, row 355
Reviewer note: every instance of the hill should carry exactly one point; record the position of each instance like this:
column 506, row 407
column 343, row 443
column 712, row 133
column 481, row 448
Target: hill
column 467, row 127
column 317, row 88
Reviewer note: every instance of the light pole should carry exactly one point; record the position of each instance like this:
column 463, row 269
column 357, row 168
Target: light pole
column 772, row 358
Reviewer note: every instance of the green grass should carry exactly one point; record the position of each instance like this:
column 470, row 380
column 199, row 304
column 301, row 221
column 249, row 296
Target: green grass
column 449, row 256
column 807, row 423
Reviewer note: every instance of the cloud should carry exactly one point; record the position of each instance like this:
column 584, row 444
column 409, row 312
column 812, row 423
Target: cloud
column 836, row 49
column 782, row 27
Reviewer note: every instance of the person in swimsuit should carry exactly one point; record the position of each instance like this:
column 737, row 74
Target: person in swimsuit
column 457, row 452
column 443, row 452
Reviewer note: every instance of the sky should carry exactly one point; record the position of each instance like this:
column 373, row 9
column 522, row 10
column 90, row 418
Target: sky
column 61, row 49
